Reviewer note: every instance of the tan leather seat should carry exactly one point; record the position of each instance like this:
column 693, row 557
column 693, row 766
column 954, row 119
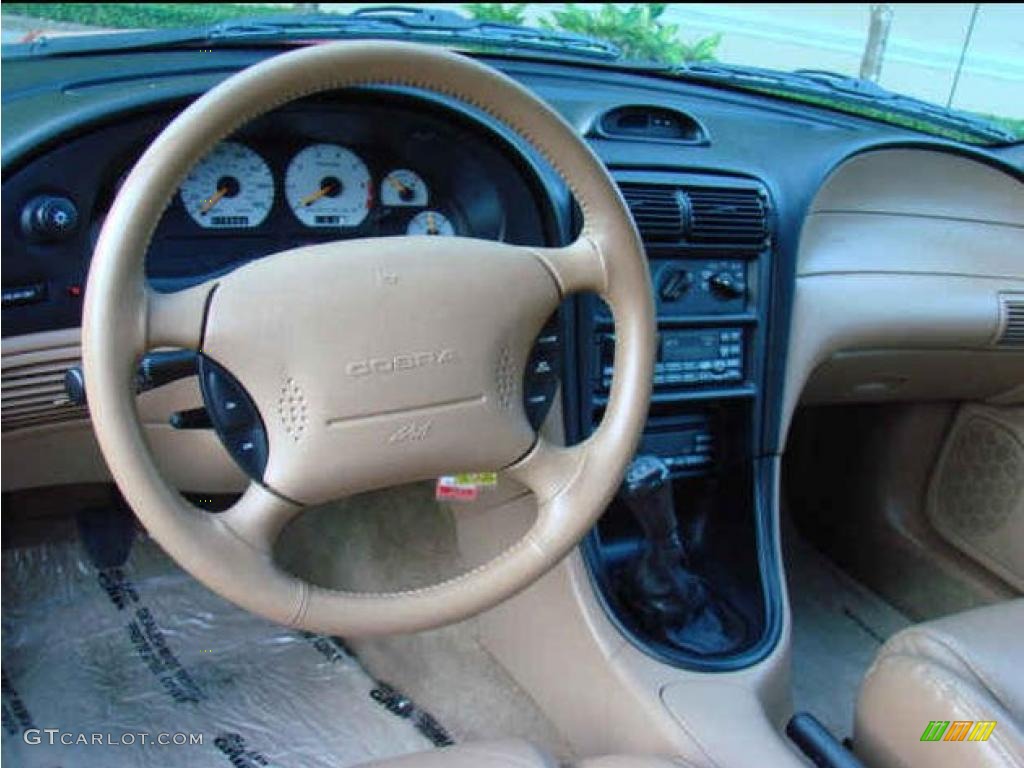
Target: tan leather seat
column 967, row 667
column 511, row 754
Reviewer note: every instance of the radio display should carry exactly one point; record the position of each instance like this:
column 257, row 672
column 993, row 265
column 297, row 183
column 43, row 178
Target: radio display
column 689, row 345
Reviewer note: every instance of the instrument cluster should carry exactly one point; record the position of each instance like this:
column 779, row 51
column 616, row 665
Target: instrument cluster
column 325, row 186
column 339, row 166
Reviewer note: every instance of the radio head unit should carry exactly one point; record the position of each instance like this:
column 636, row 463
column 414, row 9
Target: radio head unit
column 687, row 357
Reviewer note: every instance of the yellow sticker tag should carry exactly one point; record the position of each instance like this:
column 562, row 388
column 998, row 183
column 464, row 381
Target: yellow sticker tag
column 479, row 479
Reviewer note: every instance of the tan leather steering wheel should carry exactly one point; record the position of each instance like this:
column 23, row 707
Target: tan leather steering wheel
column 370, row 362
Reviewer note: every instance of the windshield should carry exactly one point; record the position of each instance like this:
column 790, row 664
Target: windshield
column 949, row 69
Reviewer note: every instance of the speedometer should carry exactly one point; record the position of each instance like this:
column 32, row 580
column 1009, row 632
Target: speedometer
column 328, row 186
column 230, row 187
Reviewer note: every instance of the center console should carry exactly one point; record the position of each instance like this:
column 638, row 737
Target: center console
column 709, row 243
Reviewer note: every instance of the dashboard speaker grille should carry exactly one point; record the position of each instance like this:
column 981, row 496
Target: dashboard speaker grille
column 657, row 210
column 33, row 390
column 720, row 215
column 1011, row 312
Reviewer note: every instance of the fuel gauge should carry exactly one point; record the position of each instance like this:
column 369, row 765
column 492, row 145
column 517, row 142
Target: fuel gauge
column 403, row 187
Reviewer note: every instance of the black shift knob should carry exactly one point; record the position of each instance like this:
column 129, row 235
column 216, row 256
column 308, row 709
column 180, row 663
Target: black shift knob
column 647, row 490
column 645, row 475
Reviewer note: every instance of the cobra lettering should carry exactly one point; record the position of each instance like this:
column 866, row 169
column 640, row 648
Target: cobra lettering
column 399, row 363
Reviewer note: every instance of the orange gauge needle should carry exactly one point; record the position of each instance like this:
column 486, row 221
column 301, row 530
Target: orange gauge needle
column 310, row 199
column 397, row 184
column 212, row 201
column 431, row 224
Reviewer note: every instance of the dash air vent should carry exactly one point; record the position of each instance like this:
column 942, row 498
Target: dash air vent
column 721, row 215
column 658, row 211
column 698, row 215
column 33, row 390
column 1011, row 320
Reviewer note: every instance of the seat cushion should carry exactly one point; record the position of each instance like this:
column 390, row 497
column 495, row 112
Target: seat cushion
column 966, row 668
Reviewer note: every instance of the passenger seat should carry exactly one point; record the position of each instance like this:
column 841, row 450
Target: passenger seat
column 963, row 669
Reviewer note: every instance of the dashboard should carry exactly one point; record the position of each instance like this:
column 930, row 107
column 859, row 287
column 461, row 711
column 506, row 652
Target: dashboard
column 381, row 161
column 794, row 252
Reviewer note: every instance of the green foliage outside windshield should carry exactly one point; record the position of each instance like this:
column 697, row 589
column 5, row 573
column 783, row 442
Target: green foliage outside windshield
column 138, row 16
column 637, row 30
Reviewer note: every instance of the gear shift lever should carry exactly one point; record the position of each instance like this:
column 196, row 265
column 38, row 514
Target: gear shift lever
column 672, row 601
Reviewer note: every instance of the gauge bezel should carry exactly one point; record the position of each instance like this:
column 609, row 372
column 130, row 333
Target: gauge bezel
column 414, row 203
column 446, row 216
column 368, row 186
column 252, row 222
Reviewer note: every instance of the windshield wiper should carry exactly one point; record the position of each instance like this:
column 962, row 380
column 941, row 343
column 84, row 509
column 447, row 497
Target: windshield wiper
column 387, row 22
column 838, row 90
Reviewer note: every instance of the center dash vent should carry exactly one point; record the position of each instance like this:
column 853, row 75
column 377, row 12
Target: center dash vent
column 33, row 390
column 1011, row 317
column 657, row 210
column 715, row 216
column 726, row 216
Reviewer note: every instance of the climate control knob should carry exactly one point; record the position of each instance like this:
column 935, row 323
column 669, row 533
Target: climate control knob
column 725, row 286
column 674, row 283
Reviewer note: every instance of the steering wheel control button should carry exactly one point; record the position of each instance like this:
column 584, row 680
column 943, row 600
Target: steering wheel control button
column 234, row 417
column 543, row 371
column 228, row 403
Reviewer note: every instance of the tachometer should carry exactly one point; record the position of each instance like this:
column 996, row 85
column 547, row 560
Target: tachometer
column 403, row 187
column 328, row 186
column 430, row 223
column 230, row 187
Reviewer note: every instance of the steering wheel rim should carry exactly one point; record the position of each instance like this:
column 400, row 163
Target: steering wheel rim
column 510, row 293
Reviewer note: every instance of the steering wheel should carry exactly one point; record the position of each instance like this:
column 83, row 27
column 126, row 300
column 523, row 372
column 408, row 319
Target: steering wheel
column 365, row 363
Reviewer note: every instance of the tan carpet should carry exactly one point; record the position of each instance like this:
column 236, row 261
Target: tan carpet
column 400, row 539
column 838, row 627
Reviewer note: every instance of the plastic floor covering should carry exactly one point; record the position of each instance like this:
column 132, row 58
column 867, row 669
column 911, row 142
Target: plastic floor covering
column 120, row 659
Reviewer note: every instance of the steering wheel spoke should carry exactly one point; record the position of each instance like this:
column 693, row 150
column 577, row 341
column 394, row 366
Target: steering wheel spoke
column 177, row 319
column 548, row 468
column 258, row 517
column 576, row 267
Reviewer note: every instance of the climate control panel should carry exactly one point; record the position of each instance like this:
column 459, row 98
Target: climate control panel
column 700, row 286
